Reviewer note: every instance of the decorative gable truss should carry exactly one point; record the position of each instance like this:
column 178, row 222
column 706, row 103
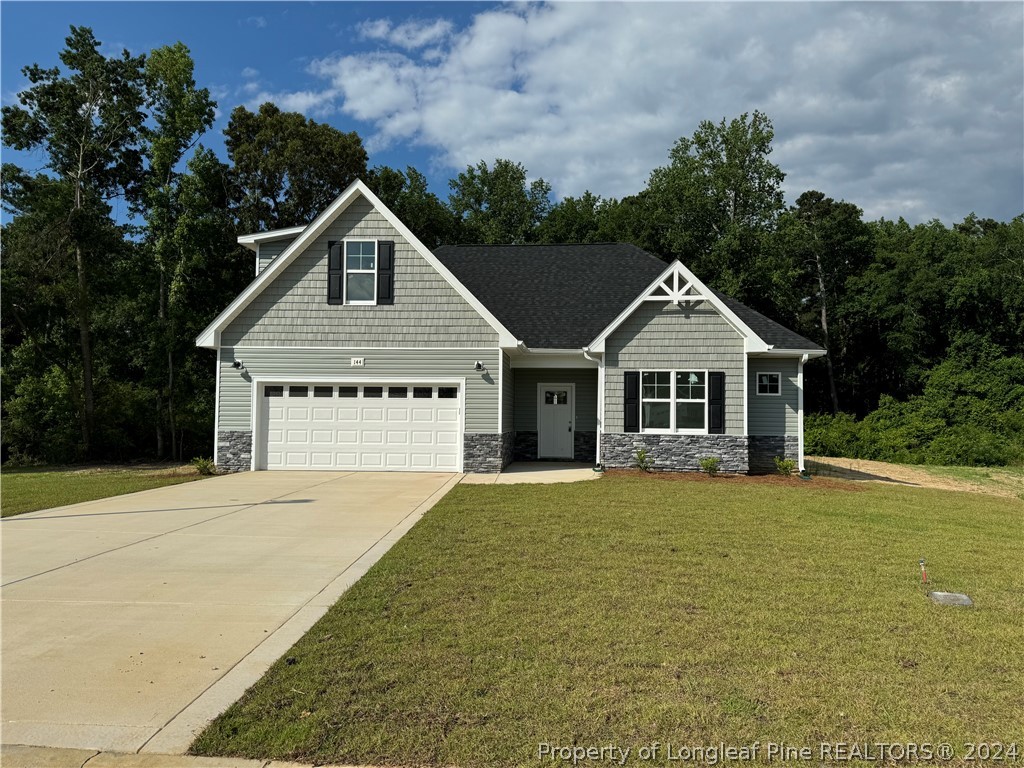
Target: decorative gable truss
column 675, row 287
column 679, row 285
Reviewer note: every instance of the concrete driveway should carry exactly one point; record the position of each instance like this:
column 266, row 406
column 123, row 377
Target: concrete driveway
column 129, row 623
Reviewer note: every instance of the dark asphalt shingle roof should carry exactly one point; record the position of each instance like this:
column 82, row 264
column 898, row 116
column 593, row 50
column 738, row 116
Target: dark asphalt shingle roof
column 563, row 296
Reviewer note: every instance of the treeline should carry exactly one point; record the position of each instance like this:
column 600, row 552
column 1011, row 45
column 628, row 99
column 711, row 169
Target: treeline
column 925, row 324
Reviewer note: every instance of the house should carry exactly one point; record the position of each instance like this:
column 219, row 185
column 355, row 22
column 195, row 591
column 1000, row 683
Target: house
column 356, row 347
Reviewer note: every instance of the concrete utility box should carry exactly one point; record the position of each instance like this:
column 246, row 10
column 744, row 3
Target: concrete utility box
column 950, row 598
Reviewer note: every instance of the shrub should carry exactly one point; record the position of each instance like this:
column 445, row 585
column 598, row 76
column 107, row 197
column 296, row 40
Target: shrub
column 710, row 465
column 204, row 466
column 784, row 466
column 642, row 460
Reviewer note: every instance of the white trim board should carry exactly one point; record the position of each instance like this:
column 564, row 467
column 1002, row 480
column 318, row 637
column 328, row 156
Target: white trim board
column 210, row 337
column 255, row 238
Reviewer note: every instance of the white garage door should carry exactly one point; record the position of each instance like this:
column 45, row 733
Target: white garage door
column 399, row 427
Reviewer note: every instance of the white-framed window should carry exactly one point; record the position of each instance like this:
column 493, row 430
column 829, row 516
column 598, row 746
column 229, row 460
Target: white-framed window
column 769, row 383
column 360, row 271
column 674, row 401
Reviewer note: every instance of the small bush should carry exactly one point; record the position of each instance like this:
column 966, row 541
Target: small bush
column 784, row 466
column 642, row 460
column 204, row 466
column 710, row 465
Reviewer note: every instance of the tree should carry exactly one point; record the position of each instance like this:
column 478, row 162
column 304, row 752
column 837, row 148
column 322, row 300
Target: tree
column 89, row 124
column 180, row 113
column 826, row 243
column 286, row 169
column 717, row 198
column 496, row 205
column 418, row 208
column 573, row 220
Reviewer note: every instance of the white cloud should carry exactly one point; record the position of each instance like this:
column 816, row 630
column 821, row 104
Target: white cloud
column 250, row 74
column 409, row 35
column 913, row 109
column 256, row 21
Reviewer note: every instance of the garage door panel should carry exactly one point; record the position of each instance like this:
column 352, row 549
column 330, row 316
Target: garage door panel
column 420, row 432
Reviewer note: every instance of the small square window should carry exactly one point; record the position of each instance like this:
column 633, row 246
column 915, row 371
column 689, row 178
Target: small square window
column 448, row 392
column 373, row 391
column 398, row 391
column 323, row 391
column 348, row 391
column 273, row 391
column 298, row 391
column 769, row 384
column 423, row 392
column 556, row 397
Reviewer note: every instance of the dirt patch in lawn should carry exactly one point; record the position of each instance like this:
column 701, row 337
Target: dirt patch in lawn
column 724, row 477
column 862, row 470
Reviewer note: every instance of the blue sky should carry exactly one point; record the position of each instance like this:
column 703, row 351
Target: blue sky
column 906, row 109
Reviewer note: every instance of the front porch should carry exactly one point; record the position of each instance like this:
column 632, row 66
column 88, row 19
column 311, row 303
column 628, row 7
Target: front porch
column 553, row 415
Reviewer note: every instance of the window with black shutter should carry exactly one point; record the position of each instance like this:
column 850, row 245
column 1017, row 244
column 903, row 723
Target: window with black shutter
column 716, row 403
column 385, row 272
column 631, row 398
column 335, row 273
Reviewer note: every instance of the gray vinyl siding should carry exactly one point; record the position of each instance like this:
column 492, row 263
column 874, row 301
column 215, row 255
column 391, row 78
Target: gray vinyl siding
column 271, row 250
column 291, row 364
column 661, row 337
column 507, row 394
column 293, row 310
column 767, row 414
column 526, row 381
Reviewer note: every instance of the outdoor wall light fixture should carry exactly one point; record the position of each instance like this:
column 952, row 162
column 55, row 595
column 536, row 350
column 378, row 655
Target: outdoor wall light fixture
column 238, row 365
column 479, row 366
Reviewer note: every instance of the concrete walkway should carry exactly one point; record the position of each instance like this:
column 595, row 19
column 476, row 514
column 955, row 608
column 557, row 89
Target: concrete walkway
column 131, row 622
column 536, row 472
column 17, row 756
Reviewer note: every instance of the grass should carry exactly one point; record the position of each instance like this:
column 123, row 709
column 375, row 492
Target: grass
column 635, row 609
column 999, row 478
column 31, row 489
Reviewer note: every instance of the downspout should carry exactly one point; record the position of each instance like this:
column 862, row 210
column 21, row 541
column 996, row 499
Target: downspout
column 600, row 401
column 800, row 410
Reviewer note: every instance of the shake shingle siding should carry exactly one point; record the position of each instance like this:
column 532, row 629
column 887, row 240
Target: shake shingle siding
column 293, row 310
column 661, row 337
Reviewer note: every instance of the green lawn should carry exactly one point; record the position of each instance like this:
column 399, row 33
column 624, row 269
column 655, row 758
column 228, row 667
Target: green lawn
column 27, row 490
column 634, row 609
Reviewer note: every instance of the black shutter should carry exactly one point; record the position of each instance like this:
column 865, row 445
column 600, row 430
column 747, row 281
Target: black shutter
column 631, row 414
column 716, row 403
column 385, row 272
column 335, row 272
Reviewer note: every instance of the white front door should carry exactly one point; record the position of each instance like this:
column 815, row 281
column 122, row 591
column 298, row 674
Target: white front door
column 555, row 410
